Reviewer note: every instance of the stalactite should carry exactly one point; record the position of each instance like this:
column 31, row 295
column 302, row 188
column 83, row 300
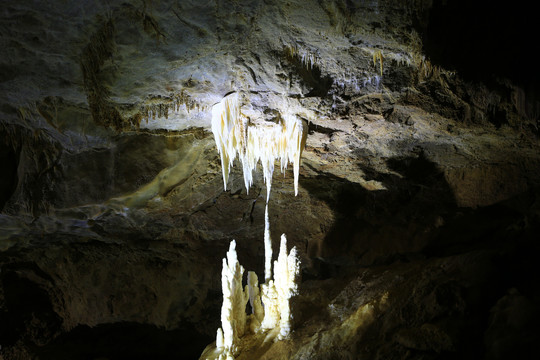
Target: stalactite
column 236, row 136
column 377, row 55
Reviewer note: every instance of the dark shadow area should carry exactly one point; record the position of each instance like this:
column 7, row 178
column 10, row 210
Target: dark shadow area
column 376, row 227
column 416, row 222
column 415, row 217
column 126, row 340
column 481, row 39
column 28, row 313
column 311, row 75
column 8, row 175
column 472, row 229
column 31, row 327
column 511, row 225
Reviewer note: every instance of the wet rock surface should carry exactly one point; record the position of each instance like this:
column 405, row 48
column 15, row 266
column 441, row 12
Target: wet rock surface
column 418, row 209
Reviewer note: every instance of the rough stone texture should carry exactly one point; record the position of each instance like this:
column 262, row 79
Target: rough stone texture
column 417, row 214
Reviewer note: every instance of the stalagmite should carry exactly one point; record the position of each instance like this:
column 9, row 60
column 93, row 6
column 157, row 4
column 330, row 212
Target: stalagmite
column 287, row 270
column 233, row 309
column 255, row 302
column 277, row 293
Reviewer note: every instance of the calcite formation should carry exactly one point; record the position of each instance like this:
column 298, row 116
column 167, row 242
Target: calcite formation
column 235, row 135
column 278, row 292
column 233, row 310
column 270, row 304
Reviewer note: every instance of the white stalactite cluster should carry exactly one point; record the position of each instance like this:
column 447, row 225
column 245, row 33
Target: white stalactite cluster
column 270, row 303
column 236, row 136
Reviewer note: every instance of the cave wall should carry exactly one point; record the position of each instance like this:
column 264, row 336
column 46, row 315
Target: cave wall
column 419, row 179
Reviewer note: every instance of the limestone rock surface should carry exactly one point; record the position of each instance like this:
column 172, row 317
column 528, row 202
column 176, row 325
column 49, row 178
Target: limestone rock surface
column 417, row 215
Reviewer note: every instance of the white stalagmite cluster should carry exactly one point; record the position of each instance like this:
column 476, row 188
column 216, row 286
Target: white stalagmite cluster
column 277, row 293
column 236, row 136
column 233, row 309
column 270, row 303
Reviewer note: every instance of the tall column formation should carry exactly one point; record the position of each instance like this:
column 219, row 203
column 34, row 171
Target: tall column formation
column 287, row 270
column 267, row 247
column 233, row 309
column 236, row 136
column 276, row 293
